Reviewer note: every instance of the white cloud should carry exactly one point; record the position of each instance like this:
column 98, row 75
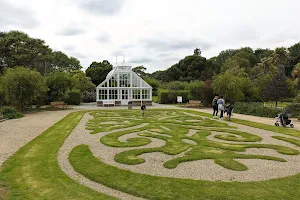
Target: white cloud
column 152, row 33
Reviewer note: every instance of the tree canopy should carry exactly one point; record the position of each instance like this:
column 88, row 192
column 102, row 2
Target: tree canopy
column 98, row 71
column 21, row 86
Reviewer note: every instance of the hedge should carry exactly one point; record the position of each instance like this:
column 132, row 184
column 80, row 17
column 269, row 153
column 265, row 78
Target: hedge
column 10, row 112
column 170, row 96
column 256, row 109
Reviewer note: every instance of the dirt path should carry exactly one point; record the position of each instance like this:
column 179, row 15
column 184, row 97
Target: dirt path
column 17, row 132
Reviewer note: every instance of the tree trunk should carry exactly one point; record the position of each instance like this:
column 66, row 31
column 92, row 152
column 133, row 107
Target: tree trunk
column 276, row 104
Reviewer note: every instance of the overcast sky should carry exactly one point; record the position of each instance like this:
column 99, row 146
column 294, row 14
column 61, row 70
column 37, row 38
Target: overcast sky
column 153, row 33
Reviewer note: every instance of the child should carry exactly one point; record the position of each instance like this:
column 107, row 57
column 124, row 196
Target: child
column 143, row 108
column 229, row 110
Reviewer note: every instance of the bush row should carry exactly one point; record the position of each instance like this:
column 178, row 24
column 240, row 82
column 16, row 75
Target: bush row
column 255, row 109
column 170, row 96
column 10, row 112
column 294, row 109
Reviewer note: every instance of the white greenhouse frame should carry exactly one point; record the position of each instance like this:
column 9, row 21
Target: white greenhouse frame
column 122, row 85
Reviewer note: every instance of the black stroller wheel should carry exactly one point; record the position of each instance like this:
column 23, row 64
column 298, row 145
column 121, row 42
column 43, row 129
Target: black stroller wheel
column 292, row 125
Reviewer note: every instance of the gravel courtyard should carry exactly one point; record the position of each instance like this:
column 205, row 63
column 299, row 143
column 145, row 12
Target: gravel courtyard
column 17, row 132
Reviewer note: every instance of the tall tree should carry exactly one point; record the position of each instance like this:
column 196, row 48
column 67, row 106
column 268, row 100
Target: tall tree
column 280, row 57
column 81, row 81
column 234, row 84
column 60, row 61
column 276, row 89
column 140, row 70
column 98, row 71
column 18, row 49
column 58, row 83
column 294, row 52
column 21, row 86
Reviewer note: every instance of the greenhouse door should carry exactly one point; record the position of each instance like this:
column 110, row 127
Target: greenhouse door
column 124, row 96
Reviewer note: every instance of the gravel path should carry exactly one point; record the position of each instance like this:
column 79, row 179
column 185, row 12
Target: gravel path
column 198, row 170
column 17, row 132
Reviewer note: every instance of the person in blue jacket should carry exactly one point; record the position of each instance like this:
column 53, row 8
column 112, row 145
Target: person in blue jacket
column 221, row 104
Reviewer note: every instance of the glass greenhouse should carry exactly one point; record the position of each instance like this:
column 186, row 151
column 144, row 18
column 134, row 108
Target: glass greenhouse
column 122, row 85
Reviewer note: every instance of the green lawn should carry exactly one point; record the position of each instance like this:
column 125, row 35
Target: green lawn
column 33, row 172
column 279, row 104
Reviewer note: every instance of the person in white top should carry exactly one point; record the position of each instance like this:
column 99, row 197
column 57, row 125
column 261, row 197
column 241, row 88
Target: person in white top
column 221, row 106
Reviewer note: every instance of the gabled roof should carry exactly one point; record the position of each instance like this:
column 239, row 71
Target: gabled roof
column 117, row 69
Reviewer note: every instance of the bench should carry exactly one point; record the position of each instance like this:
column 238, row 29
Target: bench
column 58, row 104
column 108, row 102
column 194, row 103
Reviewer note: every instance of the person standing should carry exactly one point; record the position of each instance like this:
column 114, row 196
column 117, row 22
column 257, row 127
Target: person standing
column 221, row 103
column 215, row 106
column 143, row 108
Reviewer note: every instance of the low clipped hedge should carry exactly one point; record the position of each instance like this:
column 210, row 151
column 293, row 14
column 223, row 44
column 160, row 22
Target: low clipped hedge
column 10, row 112
column 256, row 109
column 170, row 96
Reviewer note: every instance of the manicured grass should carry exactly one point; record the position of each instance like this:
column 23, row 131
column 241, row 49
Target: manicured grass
column 279, row 104
column 172, row 127
column 290, row 140
column 33, row 172
column 164, row 188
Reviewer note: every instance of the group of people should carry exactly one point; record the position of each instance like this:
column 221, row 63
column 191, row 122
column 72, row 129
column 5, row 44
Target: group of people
column 218, row 104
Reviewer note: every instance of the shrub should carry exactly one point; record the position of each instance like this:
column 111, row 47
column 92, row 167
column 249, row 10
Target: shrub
column 294, row 109
column 89, row 97
column 170, row 96
column 256, row 109
column 73, row 97
column 10, row 112
column 175, row 85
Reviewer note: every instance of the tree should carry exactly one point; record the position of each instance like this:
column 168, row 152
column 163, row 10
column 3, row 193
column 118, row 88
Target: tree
column 197, row 52
column 159, row 75
column 234, row 84
column 58, row 83
column 244, row 58
column 263, row 53
column 155, row 84
column 276, row 89
column 140, row 70
column 279, row 58
column 98, row 71
column 81, row 81
column 21, row 86
column 18, row 49
column 224, row 55
column 294, row 52
column 195, row 89
column 60, row 61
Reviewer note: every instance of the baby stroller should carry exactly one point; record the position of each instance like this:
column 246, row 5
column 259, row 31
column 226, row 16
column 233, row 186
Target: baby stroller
column 228, row 109
column 283, row 120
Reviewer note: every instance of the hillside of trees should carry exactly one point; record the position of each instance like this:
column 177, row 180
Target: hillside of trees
column 32, row 73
